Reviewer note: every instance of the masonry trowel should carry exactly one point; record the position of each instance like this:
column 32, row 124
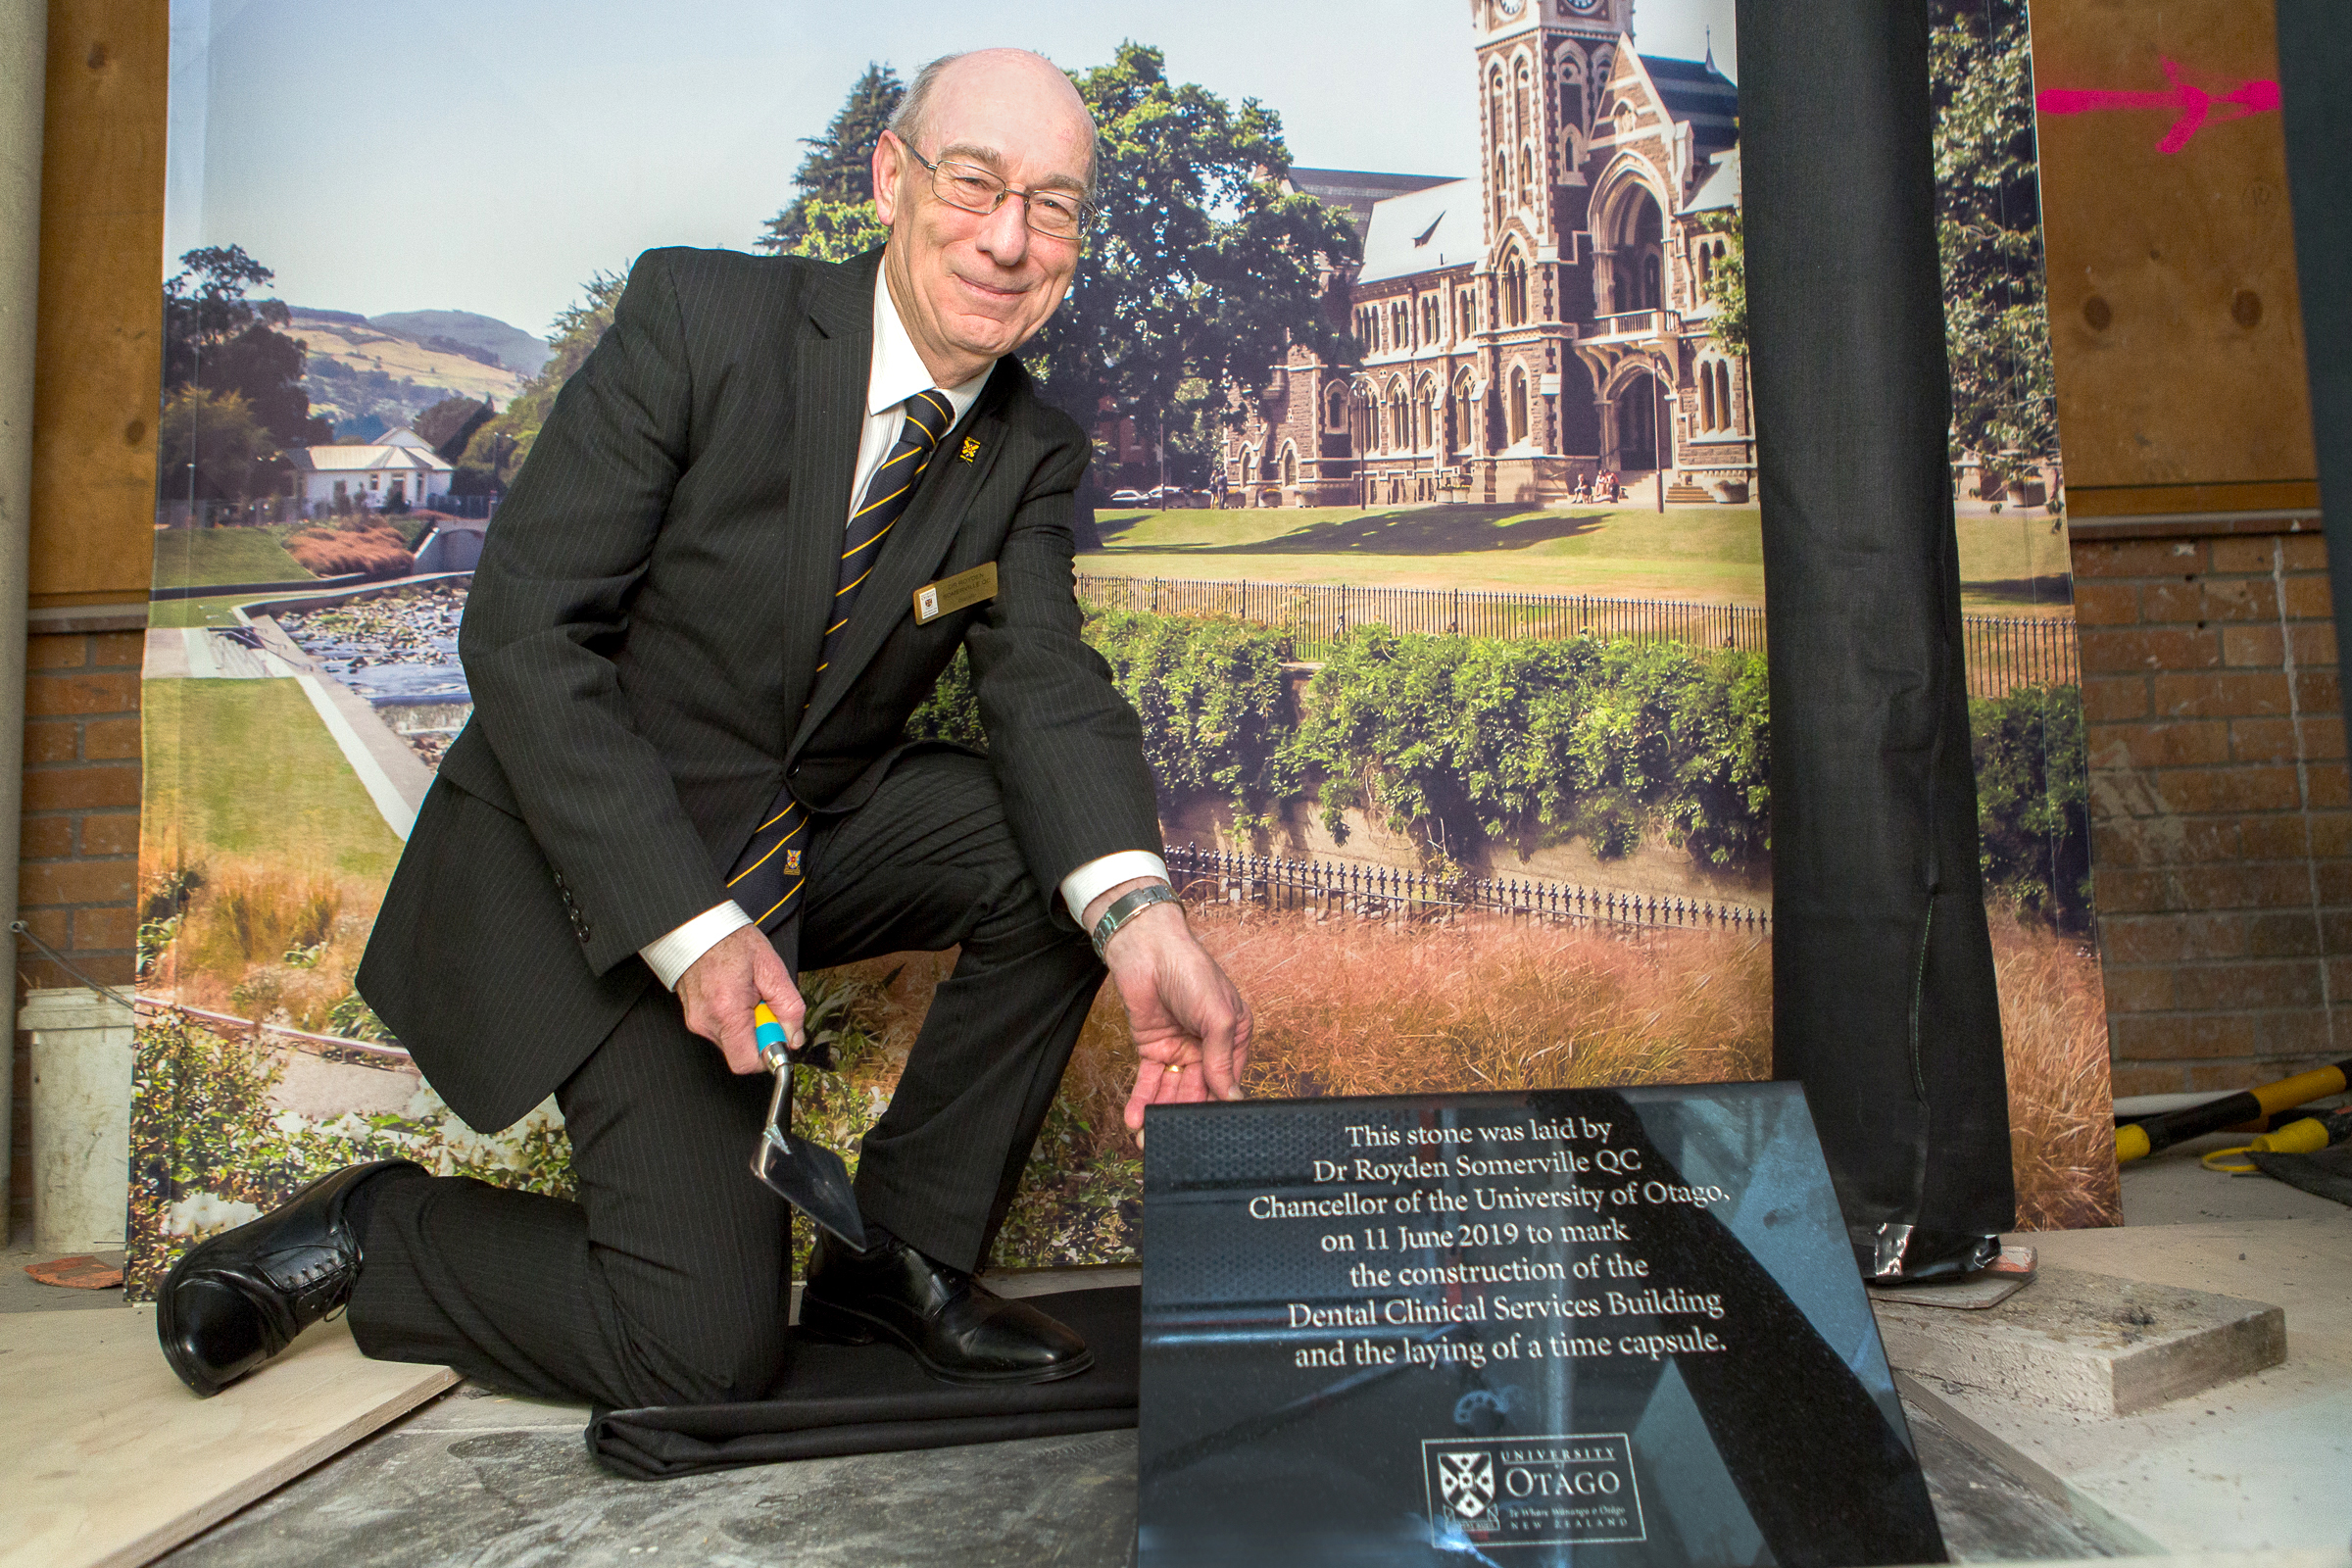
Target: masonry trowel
column 809, row 1176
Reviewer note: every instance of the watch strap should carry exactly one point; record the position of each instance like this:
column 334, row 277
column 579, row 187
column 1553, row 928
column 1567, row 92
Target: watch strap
column 1126, row 907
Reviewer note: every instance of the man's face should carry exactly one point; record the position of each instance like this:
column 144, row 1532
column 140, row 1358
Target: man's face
column 972, row 286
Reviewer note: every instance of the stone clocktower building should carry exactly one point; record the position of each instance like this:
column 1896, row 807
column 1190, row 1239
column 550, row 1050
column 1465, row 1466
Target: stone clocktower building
column 1544, row 323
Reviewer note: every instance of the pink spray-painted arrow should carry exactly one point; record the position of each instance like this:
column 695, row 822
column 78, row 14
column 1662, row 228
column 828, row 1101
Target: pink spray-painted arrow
column 2193, row 108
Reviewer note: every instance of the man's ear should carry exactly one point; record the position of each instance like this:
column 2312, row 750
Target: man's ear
column 890, row 162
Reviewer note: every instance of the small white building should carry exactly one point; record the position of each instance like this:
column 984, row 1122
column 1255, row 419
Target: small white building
column 402, row 467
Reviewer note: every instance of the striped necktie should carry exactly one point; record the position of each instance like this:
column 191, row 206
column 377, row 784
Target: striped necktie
column 766, row 879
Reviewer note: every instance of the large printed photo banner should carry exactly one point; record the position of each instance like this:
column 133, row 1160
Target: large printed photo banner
column 1420, row 532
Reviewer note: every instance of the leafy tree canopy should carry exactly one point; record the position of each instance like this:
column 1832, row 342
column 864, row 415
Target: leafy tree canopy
column 209, row 445
column 217, row 338
column 1201, row 271
column 836, row 176
column 1989, row 222
column 498, row 447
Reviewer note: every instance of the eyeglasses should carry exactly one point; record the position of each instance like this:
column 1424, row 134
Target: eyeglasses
column 1055, row 214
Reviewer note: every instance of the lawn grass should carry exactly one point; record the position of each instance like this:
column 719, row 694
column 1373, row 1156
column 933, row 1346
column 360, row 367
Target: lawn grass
column 245, row 768
column 189, row 557
column 217, row 610
column 1714, row 554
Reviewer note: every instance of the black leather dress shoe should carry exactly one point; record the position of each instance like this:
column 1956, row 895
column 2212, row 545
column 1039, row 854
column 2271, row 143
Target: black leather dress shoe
column 236, row 1300
column 958, row 1330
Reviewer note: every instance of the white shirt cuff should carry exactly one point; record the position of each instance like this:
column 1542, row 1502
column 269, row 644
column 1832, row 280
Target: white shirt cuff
column 1090, row 881
column 671, row 956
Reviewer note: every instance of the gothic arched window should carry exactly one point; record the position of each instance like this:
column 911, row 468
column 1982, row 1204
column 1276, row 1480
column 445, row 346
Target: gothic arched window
column 1723, row 395
column 1706, row 397
column 1289, row 465
column 1651, row 295
column 1463, row 406
column 1518, row 405
column 1514, row 290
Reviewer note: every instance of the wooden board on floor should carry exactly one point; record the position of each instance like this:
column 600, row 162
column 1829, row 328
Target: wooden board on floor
column 106, row 1459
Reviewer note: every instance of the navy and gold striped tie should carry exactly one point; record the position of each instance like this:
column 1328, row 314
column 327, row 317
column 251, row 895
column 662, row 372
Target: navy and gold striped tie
column 766, row 879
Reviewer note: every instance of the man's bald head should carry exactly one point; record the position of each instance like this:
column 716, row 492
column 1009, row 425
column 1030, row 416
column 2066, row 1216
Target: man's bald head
column 1016, row 73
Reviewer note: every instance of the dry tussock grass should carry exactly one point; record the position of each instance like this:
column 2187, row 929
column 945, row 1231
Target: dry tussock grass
column 2061, row 1115
column 263, row 941
column 375, row 548
column 1352, row 1008
column 1345, row 1007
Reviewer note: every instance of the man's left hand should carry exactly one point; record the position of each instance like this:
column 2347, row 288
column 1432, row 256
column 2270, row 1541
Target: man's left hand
column 1191, row 1026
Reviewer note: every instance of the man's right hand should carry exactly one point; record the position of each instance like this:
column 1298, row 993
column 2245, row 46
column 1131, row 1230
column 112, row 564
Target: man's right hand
column 720, row 990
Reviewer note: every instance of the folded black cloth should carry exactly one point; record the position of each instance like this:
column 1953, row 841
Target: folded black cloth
column 2325, row 1173
column 872, row 1398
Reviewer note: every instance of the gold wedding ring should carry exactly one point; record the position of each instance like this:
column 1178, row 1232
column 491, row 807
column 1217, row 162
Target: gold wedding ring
column 1176, row 1067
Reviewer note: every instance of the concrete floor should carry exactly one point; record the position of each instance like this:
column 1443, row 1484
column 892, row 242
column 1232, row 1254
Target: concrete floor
column 496, row 1482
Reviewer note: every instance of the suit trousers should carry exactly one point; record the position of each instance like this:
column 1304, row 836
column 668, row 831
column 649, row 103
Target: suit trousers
column 666, row 1281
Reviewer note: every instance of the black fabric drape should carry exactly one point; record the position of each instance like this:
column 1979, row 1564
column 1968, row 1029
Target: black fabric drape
column 2315, row 84
column 1884, row 1004
column 872, row 1398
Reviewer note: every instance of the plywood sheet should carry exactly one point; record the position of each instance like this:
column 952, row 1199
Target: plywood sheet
column 2174, row 317
column 105, row 1458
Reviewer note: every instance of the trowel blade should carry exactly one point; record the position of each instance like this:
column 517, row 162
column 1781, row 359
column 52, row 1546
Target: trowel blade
column 813, row 1179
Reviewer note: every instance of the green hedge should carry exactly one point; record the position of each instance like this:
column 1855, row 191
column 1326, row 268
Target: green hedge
column 2034, row 800
column 1455, row 739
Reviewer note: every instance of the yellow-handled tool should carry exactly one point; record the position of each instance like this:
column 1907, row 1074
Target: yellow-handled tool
column 2139, row 1139
column 2306, row 1136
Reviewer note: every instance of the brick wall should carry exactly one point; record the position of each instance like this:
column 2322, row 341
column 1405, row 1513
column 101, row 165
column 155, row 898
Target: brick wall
column 78, row 884
column 2220, row 808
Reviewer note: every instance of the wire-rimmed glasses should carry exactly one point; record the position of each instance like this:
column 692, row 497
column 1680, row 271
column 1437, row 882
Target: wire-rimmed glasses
column 1051, row 211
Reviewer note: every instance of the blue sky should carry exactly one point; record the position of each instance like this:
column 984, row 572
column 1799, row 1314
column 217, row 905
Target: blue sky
column 491, row 155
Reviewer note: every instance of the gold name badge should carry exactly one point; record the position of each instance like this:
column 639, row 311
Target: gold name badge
column 951, row 594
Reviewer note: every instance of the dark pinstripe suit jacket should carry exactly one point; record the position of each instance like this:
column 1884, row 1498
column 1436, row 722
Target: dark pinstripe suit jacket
column 642, row 635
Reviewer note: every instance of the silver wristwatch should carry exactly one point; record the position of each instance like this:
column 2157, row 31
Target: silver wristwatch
column 1126, row 907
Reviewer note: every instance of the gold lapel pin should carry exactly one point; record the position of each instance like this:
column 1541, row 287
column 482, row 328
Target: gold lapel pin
column 971, row 447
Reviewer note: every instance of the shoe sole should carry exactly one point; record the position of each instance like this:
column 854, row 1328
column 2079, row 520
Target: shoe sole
column 167, row 1332
column 843, row 1325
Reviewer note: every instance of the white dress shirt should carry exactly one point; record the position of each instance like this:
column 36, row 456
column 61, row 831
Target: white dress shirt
column 898, row 373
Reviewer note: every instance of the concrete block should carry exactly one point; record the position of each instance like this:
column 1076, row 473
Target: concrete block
column 2087, row 1344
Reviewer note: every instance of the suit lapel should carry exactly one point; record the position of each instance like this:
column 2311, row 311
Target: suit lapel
column 831, row 367
column 918, row 542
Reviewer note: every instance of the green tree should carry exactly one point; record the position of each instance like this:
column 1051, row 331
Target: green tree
column 217, row 338
column 833, row 216
column 1201, row 271
column 209, row 445
column 498, row 447
column 1727, row 285
column 1989, row 222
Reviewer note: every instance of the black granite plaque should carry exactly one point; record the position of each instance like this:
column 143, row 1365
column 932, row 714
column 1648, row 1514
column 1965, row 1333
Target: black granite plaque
column 1614, row 1326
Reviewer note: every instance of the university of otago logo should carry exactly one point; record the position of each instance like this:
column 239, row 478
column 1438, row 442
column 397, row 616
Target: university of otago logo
column 1541, row 1490
column 1466, row 1483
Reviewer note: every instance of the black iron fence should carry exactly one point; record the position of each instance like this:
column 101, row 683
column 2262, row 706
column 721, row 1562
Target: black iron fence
column 1380, row 892
column 2003, row 651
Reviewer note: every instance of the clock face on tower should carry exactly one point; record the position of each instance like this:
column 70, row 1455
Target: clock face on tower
column 1509, row 8
column 1582, row 8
